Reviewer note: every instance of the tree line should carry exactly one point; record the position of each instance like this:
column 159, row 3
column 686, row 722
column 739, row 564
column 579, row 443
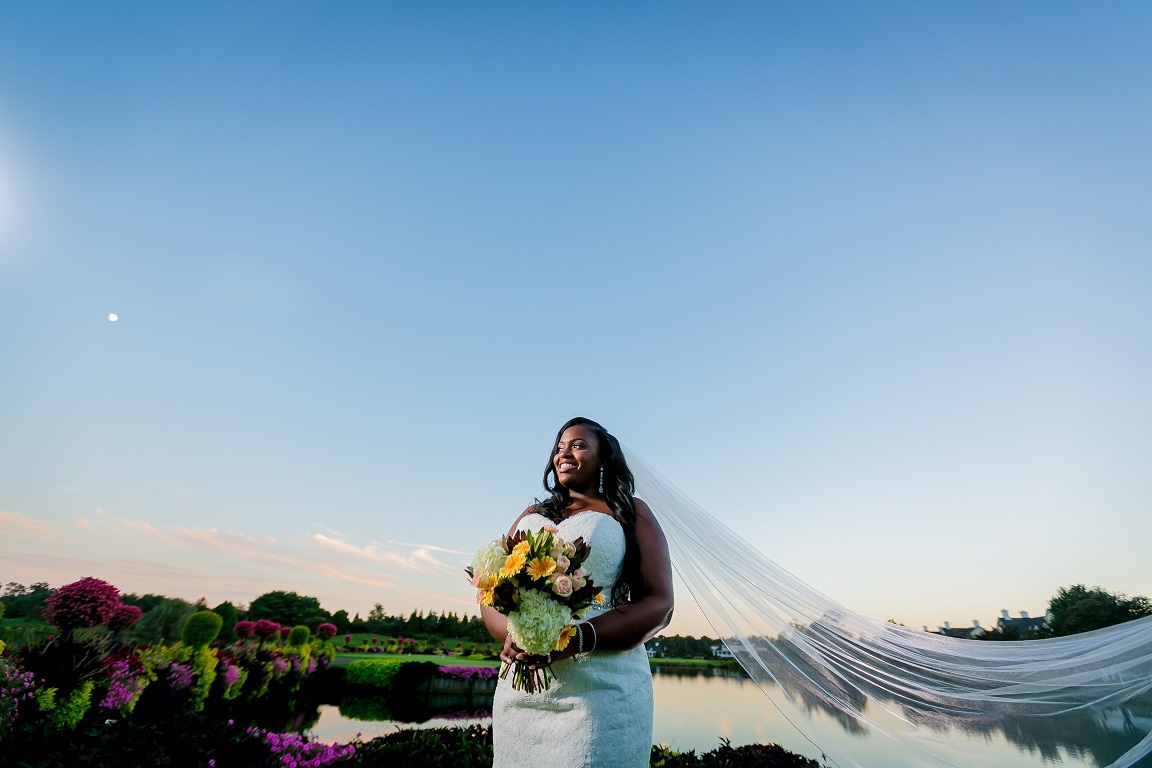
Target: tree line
column 164, row 616
column 1074, row 609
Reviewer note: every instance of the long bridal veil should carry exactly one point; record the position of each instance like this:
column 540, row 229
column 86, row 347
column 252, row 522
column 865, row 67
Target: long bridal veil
column 870, row 693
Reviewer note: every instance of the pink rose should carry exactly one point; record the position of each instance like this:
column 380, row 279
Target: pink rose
column 562, row 564
column 578, row 578
column 562, row 585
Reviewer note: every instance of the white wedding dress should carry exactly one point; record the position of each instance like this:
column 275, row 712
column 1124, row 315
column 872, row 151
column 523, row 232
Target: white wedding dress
column 598, row 711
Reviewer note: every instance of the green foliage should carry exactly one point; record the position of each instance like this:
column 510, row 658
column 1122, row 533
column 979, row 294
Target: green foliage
column 285, row 608
column 162, row 624
column 200, row 629
column 237, row 687
column 469, row 747
column 144, row 602
column 677, row 647
column 340, row 619
column 727, row 756
column 377, row 672
column 299, row 635
column 229, row 616
column 1078, row 609
column 25, row 602
column 69, row 711
column 204, row 663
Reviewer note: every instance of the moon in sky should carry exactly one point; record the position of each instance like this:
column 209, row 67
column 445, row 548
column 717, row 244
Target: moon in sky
column 113, row 317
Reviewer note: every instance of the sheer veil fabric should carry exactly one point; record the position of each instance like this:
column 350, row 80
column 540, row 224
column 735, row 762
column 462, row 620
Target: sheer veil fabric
column 854, row 686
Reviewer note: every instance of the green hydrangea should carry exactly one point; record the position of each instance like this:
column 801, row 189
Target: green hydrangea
column 536, row 623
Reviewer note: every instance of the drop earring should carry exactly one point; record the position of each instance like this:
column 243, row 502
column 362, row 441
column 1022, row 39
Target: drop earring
column 601, row 479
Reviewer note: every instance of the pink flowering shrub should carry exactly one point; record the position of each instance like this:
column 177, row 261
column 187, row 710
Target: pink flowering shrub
column 124, row 617
column 326, row 631
column 284, row 632
column 266, row 629
column 244, row 629
column 82, row 604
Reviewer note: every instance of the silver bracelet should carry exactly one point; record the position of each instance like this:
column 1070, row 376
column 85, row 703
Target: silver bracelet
column 580, row 638
column 592, row 627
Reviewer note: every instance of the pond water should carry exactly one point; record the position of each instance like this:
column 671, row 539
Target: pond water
column 694, row 710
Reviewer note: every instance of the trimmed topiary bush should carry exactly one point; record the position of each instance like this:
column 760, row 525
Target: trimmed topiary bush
column 298, row 635
column 266, row 629
column 326, row 631
column 200, row 629
column 377, row 672
column 82, row 604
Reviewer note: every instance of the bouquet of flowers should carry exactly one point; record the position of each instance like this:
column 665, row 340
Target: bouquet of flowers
column 535, row 580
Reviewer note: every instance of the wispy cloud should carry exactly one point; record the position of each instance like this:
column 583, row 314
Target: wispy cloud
column 431, row 547
column 19, row 526
column 418, row 560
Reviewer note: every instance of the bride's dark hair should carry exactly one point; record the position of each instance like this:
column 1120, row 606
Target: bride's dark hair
column 619, row 486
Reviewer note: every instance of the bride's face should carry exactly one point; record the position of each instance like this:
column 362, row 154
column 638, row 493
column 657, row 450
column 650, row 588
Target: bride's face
column 577, row 458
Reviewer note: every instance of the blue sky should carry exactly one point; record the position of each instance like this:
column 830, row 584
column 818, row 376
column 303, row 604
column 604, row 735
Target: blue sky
column 869, row 281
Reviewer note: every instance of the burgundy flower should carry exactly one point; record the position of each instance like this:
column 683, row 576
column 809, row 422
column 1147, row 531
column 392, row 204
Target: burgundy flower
column 124, row 617
column 267, row 629
column 82, row 604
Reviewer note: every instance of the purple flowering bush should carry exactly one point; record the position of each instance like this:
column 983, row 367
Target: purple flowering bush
column 326, row 631
column 469, row 673
column 244, row 630
column 297, row 752
column 16, row 687
column 82, row 604
column 125, row 684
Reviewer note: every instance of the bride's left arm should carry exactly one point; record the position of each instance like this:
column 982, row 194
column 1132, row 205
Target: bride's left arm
column 631, row 624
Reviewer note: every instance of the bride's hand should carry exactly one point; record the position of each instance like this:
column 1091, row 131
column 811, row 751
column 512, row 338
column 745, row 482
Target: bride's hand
column 510, row 653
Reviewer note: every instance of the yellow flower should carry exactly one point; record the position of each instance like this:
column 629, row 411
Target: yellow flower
column 599, row 599
column 541, row 567
column 512, row 565
column 484, row 596
column 566, row 634
column 522, row 548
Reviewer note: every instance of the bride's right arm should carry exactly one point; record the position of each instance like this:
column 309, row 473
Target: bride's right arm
column 497, row 622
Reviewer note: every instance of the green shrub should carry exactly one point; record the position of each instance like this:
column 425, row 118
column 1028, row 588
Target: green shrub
column 299, row 635
column 204, row 669
column 201, row 628
column 68, row 713
column 377, row 672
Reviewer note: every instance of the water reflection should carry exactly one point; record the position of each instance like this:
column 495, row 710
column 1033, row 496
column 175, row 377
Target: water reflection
column 695, row 707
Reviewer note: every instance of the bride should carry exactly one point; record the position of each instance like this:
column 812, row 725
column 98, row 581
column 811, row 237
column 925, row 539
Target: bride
column 598, row 710
column 864, row 692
